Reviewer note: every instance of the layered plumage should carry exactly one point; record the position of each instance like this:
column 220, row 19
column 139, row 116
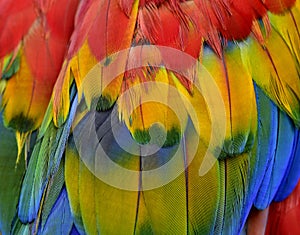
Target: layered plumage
column 157, row 116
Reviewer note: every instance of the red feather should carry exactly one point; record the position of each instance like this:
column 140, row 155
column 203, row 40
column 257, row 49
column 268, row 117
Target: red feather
column 106, row 32
column 284, row 216
column 233, row 19
column 16, row 17
column 278, row 6
column 43, row 50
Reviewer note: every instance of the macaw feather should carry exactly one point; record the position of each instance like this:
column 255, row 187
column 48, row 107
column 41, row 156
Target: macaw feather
column 279, row 163
column 62, row 87
column 100, row 41
column 16, row 18
column 28, row 210
column 262, row 152
column 24, row 118
column 268, row 68
column 11, row 177
column 55, row 186
column 43, row 166
column 279, row 6
column 138, row 101
column 241, row 114
column 60, row 219
column 189, row 214
column 72, row 183
column 178, row 27
column 97, row 215
column 233, row 19
column 233, row 189
column 283, row 216
column 91, row 78
column 196, row 107
column 139, row 142
column 292, row 174
column 200, row 218
column 9, row 65
column 28, row 91
column 133, row 207
column 19, row 228
column 287, row 26
column 164, row 26
column 266, row 138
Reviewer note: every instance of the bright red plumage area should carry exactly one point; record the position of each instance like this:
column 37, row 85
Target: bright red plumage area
column 16, row 17
column 40, row 32
column 278, row 6
column 284, row 216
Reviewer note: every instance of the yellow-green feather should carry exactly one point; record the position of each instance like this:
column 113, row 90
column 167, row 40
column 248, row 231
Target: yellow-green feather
column 268, row 66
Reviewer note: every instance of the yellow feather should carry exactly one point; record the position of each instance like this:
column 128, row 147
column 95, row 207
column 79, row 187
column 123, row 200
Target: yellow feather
column 146, row 104
column 25, row 99
column 238, row 96
column 87, row 198
column 72, row 181
column 287, row 26
column 273, row 68
column 61, row 96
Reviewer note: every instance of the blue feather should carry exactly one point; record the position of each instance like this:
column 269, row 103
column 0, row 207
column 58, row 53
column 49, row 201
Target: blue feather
column 292, row 174
column 264, row 149
column 279, row 163
column 74, row 231
column 267, row 135
column 60, row 220
column 266, row 144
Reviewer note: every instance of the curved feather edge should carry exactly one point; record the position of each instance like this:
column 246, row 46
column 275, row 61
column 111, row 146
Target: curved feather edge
column 60, row 219
column 267, row 136
column 292, row 174
column 179, row 197
column 284, row 216
column 56, row 183
column 241, row 114
column 267, row 65
column 117, row 207
column 71, row 180
column 267, row 113
column 19, row 228
column 43, row 164
column 279, row 162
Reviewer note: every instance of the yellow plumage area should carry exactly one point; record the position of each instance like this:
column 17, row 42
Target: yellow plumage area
column 61, row 97
column 93, row 67
column 268, row 65
column 236, row 87
column 196, row 107
column 145, row 104
column 287, row 26
column 93, row 80
column 24, row 106
column 134, row 207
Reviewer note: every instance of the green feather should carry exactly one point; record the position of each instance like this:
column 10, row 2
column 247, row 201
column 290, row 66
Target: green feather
column 10, row 177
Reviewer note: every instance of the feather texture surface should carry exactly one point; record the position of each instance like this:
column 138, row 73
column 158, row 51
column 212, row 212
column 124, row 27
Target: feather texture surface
column 152, row 116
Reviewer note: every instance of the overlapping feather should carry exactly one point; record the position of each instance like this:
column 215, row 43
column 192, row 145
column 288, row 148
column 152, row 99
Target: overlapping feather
column 257, row 163
column 97, row 36
column 44, row 177
column 39, row 42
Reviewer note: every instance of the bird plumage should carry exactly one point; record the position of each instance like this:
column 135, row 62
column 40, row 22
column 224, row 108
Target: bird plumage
column 157, row 116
